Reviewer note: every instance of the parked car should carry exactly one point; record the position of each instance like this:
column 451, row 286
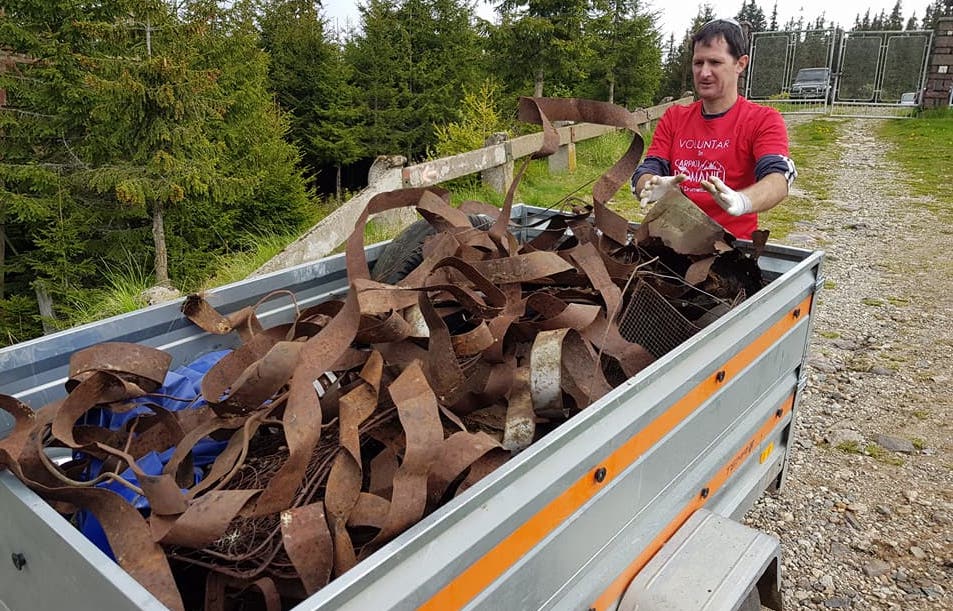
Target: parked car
column 908, row 99
column 811, row 83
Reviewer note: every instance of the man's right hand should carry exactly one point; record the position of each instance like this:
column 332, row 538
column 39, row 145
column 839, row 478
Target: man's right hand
column 657, row 187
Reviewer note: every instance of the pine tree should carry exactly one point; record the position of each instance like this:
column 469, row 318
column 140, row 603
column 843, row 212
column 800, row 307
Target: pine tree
column 753, row 14
column 137, row 121
column 628, row 57
column 677, row 74
column 895, row 20
column 412, row 63
column 541, row 45
column 43, row 121
column 773, row 25
column 311, row 81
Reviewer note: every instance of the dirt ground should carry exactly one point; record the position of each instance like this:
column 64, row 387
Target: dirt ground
column 865, row 517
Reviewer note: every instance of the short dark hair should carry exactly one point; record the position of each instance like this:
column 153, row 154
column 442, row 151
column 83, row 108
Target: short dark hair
column 729, row 29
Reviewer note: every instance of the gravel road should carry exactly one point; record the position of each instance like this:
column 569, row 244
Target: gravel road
column 865, row 517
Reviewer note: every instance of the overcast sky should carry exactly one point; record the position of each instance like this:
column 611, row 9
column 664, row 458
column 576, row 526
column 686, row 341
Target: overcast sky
column 677, row 15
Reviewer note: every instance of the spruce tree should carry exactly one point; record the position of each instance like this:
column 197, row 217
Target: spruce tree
column 311, row 81
column 627, row 51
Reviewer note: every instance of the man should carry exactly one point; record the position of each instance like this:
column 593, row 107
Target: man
column 726, row 154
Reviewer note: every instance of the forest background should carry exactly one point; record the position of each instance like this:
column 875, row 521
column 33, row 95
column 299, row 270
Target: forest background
column 147, row 142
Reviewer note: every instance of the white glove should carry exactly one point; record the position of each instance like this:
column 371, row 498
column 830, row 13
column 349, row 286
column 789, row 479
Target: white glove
column 657, row 187
column 733, row 202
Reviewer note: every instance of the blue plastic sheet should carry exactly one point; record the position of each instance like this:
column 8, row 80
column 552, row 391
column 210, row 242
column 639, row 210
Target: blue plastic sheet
column 183, row 389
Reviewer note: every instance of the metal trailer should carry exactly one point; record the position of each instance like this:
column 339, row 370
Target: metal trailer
column 630, row 504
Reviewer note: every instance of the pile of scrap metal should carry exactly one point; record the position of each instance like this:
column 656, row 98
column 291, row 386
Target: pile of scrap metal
column 333, row 434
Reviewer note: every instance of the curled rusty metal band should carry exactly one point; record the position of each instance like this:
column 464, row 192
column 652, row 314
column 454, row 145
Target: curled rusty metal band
column 362, row 416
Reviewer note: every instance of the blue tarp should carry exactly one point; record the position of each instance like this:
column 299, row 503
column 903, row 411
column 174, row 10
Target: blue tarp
column 182, row 383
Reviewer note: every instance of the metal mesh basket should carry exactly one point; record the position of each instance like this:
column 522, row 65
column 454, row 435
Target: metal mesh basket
column 649, row 320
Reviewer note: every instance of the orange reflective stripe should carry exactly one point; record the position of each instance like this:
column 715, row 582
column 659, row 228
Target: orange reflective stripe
column 618, row 587
column 494, row 563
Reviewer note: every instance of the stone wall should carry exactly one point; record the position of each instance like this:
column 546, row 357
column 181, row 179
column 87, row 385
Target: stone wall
column 939, row 84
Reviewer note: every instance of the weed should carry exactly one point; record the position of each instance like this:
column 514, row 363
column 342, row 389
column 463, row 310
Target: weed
column 918, row 443
column 920, row 414
column 849, row 447
column 881, row 455
column 872, row 301
column 898, row 301
column 829, row 285
column 829, row 334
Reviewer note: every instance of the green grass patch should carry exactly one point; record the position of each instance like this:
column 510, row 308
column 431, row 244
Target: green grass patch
column 121, row 292
column 881, row 455
column 923, row 150
column 239, row 265
column 898, row 301
column 849, row 447
column 920, row 414
column 918, row 443
column 872, row 301
column 829, row 334
column 562, row 190
column 829, row 285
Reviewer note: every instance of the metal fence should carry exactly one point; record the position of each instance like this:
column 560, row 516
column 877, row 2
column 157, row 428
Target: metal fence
column 856, row 74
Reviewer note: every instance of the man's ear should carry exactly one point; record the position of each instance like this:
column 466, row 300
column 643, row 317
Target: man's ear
column 742, row 63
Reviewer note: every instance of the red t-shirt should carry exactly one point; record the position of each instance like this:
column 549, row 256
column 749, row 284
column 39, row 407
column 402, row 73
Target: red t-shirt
column 728, row 146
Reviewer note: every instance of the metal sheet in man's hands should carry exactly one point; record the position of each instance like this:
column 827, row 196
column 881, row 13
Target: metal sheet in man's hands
column 683, row 226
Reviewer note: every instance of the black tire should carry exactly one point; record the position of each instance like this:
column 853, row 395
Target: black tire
column 405, row 252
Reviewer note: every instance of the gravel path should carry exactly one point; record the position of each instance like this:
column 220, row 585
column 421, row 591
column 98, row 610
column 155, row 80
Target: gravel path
column 865, row 517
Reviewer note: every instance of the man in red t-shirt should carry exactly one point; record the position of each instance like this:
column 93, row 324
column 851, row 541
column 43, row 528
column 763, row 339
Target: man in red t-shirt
column 726, row 154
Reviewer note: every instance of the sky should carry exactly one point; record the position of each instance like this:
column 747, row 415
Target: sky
column 677, row 15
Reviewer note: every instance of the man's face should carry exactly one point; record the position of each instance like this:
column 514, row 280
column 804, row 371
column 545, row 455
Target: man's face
column 715, row 70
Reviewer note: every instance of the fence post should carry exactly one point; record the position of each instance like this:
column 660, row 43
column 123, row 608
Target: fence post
column 386, row 174
column 564, row 159
column 499, row 178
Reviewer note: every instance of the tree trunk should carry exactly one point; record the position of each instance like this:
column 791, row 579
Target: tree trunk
column 612, row 91
column 538, row 84
column 162, row 254
column 337, row 182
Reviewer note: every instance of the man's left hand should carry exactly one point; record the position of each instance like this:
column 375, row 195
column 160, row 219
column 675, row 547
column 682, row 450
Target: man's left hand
column 733, row 202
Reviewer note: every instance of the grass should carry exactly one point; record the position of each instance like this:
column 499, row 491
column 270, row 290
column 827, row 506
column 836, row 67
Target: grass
column 881, row 455
column 240, row 265
column 923, row 151
column 594, row 157
column 871, row 449
column 122, row 292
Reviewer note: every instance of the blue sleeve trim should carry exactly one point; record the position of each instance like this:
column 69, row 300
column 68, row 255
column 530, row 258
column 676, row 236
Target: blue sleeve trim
column 775, row 164
column 651, row 165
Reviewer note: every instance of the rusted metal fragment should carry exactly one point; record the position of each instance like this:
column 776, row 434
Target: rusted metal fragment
column 307, row 541
column 417, row 409
column 520, row 430
column 682, row 226
column 140, row 365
